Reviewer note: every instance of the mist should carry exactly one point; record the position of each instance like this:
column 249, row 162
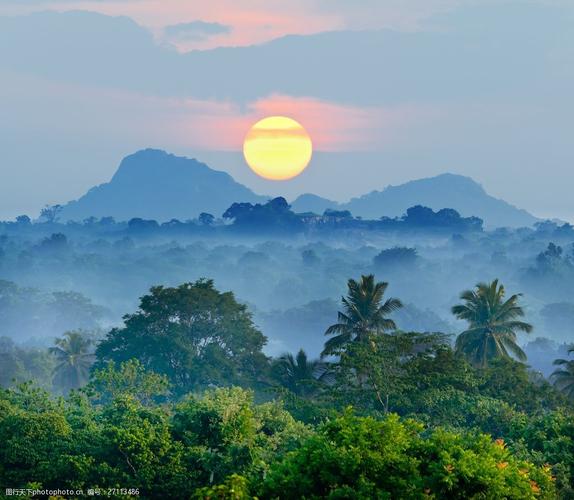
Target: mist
column 65, row 276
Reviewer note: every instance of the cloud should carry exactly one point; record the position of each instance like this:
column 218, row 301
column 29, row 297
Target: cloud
column 259, row 21
column 253, row 21
column 195, row 31
column 353, row 68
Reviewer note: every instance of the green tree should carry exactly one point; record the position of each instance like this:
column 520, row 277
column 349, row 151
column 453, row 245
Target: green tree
column 298, row 373
column 511, row 381
column 20, row 364
column 224, row 433
column 564, row 376
column 235, row 487
column 73, row 360
column 361, row 457
column 547, row 439
column 35, row 437
column 193, row 334
column 133, row 446
column 129, row 378
column 492, row 324
column 364, row 315
column 373, row 376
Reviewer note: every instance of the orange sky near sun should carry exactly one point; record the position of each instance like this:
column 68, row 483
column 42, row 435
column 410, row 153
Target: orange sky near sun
column 216, row 125
column 332, row 127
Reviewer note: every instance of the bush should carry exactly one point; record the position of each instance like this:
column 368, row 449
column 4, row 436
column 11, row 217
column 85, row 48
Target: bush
column 360, row 457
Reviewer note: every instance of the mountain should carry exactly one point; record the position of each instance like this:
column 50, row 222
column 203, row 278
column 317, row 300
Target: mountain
column 443, row 191
column 153, row 184
column 312, row 203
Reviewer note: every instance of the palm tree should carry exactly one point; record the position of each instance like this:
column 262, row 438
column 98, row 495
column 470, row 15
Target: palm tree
column 298, row 373
column 564, row 377
column 493, row 323
column 74, row 358
column 364, row 315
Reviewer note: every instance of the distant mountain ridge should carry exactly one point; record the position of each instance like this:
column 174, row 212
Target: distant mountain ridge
column 442, row 191
column 153, row 184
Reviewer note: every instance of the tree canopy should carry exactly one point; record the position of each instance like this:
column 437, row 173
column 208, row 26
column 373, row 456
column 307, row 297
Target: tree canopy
column 364, row 314
column 193, row 334
column 492, row 324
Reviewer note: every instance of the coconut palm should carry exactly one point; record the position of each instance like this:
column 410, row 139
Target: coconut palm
column 364, row 314
column 299, row 374
column 73, row 358
column 563, row 378
column 492, row 324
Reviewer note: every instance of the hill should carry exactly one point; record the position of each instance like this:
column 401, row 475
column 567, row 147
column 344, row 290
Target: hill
column 153, row 184
column 446, row 190
column 312, row 203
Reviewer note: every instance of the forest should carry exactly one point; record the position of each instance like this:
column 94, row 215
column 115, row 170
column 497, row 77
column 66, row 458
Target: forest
column 339, row 359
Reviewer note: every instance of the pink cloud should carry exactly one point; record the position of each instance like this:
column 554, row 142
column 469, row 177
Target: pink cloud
column 133, row 118
column 332, row 127
column 252, row 21
column 258, row 21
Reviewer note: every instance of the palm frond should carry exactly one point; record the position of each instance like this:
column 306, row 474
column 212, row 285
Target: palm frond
column 492, row 324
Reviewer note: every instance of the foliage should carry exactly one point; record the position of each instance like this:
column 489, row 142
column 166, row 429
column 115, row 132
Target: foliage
column 337, row 214
column 28, row 312
column 17, row 365
column 35, row 436
column 551, row 274
column 223, row 445
column 206, row 219
column 447, row 217
column 274, row 216
column 144, row 419
column 166, row 452
column 371, row 376
column 493, row 323
column 310, row 410
column 73, row 360
column 235, row 487
column 193, row 334
column 51, row 213
column 547, row 440
column 223, row 434
column 138, row 225
column 360, row 457
column 396, row 256
column 512, row 382
column 129, row 378
column 364, row 316
column 299, row 374
column 553, row 259
column 563, row 377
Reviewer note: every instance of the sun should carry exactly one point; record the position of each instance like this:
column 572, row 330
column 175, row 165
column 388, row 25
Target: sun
column 277, row 148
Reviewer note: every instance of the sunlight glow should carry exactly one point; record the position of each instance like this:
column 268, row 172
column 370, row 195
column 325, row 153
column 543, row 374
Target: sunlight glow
column 277, row 148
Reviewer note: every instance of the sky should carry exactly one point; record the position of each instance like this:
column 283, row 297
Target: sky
column 389, row 91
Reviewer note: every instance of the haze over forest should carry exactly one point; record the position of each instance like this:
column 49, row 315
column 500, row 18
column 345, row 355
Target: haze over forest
column 187, row 221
